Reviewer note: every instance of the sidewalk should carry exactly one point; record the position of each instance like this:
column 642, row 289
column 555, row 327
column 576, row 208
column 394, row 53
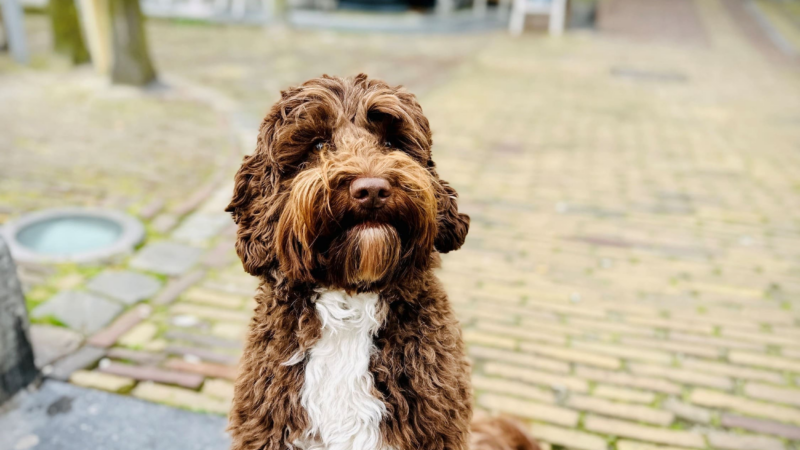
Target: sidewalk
column 65, row 417
column 631, row 277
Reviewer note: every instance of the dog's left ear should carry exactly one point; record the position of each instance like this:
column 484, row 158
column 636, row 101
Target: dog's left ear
column 452, row 225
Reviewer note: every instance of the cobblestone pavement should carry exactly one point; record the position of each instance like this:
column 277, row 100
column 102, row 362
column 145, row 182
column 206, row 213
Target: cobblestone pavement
column 68, row 138
column 254, row 74
column 631, row 277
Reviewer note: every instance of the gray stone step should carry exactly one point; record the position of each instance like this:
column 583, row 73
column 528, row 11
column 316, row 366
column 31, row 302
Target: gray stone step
column 61, row 416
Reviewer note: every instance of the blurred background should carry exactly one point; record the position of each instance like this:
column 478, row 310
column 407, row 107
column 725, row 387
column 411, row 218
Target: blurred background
column 632, row 169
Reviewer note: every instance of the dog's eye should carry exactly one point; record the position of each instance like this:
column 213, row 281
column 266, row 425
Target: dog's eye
column 320, row 145
column 387, row 143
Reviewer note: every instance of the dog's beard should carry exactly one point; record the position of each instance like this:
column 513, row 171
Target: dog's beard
column 366, row 253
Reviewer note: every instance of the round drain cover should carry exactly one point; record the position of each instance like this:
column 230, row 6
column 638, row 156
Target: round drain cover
column 72, row 234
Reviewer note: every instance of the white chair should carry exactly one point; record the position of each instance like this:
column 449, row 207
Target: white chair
column 556, row 9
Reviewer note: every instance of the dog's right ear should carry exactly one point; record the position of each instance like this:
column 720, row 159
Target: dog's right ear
column 255, row 184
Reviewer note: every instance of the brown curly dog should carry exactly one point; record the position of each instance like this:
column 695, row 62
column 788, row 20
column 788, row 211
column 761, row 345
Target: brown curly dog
column 353, row 345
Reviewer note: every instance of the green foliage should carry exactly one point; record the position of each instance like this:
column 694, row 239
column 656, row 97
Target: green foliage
column 49, row 320
column 38, row 295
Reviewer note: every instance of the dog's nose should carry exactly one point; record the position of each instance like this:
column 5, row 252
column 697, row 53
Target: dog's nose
column 370, row 192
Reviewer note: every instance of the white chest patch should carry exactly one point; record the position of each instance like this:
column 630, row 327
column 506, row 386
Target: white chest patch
column 337, row 393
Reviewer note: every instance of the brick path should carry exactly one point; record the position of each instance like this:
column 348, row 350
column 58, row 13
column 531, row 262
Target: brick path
column 670, row 20
column 632, row 274
column 105, row 151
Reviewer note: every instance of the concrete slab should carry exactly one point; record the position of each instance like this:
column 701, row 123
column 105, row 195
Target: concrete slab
column 200, row 227
column 51, row 343
column 85, row 357
column 61, row 416
column 124, row 285
column 168, row 258
column 80, row 311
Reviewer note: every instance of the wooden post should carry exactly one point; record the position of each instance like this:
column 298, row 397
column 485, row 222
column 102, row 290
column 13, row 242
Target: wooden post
column 15, row 30
column 131, row 60
column 67, row 35
column 17, row 368
column 96, row 20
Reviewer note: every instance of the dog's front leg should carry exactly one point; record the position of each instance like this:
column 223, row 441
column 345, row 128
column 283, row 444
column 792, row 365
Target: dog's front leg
column 423, row 374
column 266, row 413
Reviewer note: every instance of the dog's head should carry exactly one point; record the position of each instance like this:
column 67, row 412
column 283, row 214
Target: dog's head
column 341, row 189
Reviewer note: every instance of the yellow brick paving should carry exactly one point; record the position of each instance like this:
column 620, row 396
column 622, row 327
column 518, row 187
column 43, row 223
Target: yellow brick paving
column 643, row 234
column 632, row 273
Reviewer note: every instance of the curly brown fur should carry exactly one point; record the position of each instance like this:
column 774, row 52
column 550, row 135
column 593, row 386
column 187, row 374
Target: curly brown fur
column 267, row 410
column 421, row 371
column 299, row 230
column 500, row 433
